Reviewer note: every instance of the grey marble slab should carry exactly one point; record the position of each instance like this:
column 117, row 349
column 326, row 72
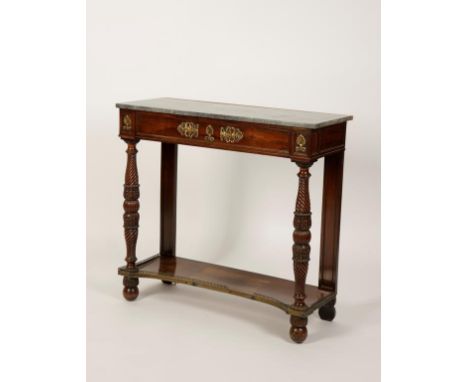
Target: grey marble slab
column 235, row 112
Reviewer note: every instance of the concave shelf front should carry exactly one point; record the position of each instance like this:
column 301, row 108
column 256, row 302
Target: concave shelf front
column 270, row 290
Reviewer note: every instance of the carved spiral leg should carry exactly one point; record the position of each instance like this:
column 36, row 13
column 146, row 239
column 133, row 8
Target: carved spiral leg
column 301, row 251
column 131, row 218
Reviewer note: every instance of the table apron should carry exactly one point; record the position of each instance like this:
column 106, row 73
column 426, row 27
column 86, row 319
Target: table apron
column 298, row 144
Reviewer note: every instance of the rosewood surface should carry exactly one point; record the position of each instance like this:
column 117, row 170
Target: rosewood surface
column 270, row 290
column 300, row 136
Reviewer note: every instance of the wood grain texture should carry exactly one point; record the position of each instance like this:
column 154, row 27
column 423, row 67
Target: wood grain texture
column 168, row 218
column 331, row 214
column 262, row 139
column 168, row 202
column 267, row 289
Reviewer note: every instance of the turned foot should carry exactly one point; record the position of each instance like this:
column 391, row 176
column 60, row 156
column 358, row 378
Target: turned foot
column 298, row 331
column 328, row 312
column 130, row 291
column 167, row 282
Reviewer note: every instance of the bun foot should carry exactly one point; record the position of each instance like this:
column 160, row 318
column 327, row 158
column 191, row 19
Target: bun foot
column 298, row 331
column 130, row 291
column 167, row 282
column 328, row 312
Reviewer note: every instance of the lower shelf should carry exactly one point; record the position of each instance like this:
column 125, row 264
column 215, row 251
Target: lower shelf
column 270, row 290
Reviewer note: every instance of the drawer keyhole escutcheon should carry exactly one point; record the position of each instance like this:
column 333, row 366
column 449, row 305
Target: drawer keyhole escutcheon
column 209, row 133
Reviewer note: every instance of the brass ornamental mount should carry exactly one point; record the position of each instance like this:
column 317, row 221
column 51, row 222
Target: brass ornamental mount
column 188, row 129
column 230, row 134
column 300, row 143
column 126, row 122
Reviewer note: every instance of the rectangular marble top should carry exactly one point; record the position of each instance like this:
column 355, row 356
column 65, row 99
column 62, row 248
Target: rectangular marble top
column 235, row 112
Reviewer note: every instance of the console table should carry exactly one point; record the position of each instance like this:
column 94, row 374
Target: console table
column 301, row 136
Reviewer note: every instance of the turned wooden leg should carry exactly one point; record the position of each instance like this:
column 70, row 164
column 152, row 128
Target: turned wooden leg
column 298, row 331
column 131, row 217
column 167, row 245
column 330, row 235
column 301, row 251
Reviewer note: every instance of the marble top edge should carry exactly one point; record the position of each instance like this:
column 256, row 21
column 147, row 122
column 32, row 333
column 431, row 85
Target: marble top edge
column 237, row 112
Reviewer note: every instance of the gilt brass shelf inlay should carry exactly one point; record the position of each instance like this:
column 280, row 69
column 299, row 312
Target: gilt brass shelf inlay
column 300, row 143
column 230, row 134
column 209, row 133
column 188, row 129
column 126, row 122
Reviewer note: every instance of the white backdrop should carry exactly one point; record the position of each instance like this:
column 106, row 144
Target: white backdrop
column 233, row 209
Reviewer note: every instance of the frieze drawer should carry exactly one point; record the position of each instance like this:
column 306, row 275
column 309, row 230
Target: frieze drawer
column 232, row 135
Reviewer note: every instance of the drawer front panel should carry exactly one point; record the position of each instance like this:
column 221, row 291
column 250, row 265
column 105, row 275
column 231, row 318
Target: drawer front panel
column 231, row 135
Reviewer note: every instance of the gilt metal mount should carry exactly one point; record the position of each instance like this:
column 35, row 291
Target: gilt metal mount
column 230, row 134
column 209, row 133
column 188, row 129
column 300, row 143
column 126, row 122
